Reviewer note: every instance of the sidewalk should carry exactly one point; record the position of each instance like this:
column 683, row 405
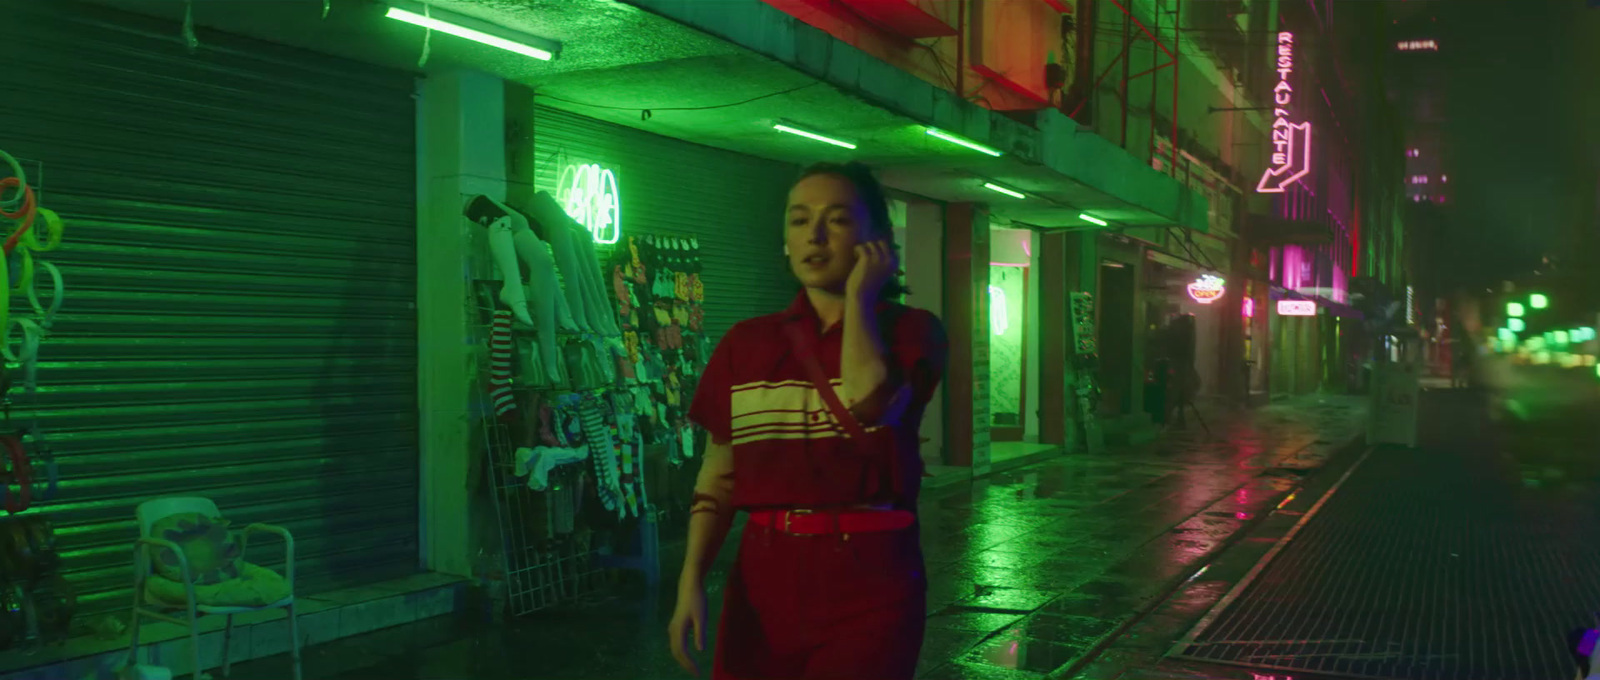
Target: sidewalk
column 1030, row 570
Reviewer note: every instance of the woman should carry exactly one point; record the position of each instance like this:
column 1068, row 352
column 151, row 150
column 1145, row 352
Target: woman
column 829, row 580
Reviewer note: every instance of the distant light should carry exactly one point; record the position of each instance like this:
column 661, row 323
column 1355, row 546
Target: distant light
column 1517, row 325
column 1562, row 338
column 941, row 134
column 780, row 127
column 1418, row 46
column 1588, row 333
column 1514, row 309
column 1507, row 336
column 1091, row 219
column 1297, row 308
column 1249, row 309
column 472, row 29
column 1000, row 189
column 997, row 310
column 1538, row 301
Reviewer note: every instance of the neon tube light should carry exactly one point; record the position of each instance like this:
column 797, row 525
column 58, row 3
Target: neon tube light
column 1009, row 192
column 1091, row 219
column 478, row 31
column 941, row 134
column 1249, row 310
column 997, row 310
column 1207, row 289
column 781, row 127
column 1291, row 142
column 589, row 194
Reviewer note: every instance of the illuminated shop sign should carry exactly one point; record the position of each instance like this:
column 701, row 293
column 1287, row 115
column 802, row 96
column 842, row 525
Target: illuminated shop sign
column 1291, row 142
column 1297, row 308
column 589, row 194
column 1418, row 46
column 1206, row 289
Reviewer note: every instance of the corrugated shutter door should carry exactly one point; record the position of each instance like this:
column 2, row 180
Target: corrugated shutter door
column 731, row 202
column 241, row 273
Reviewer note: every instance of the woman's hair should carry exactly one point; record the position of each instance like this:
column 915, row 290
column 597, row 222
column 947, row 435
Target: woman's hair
column 870, row 192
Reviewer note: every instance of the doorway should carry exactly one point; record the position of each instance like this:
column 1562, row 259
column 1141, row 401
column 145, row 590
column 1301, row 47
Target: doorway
column 1116, row 338
column 1008, row 352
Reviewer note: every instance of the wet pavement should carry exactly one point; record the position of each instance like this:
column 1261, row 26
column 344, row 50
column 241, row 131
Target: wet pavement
column 1032, row 572
column 1470, row 557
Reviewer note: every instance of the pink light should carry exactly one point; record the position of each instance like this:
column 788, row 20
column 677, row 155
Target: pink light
column 1297, row 308
column 1291, row 142
column 1249, row 311
column 1418, row 46
column 1027, row 249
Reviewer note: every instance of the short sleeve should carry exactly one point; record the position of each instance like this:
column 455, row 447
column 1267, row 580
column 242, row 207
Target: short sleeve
column 712, row 407
column 921, row 350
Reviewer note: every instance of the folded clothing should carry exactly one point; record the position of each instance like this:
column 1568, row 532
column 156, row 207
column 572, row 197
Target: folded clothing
column 256, row 586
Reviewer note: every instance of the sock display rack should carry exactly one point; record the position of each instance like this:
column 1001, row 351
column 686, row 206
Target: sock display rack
column 575, row 451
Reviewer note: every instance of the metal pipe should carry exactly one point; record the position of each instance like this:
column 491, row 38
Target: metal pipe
column 1150, row 152
column 1099, row 80
column 1141, row 26
column 1177, row 70
column 1148, row 71
column 1127, row 43
column 961, row 49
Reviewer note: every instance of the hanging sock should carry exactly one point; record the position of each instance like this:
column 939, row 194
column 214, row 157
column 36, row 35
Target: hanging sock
column 607, row 475
column 500, row 365
column 575, row 270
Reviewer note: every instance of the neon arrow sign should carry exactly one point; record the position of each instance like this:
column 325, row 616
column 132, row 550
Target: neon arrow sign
column 1291, row 142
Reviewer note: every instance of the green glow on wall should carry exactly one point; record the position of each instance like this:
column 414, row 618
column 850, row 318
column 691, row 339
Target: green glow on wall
column 590, row 195
column 997, row 310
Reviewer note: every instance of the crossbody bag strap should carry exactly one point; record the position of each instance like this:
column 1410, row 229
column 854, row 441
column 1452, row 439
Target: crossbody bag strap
column 819, row 379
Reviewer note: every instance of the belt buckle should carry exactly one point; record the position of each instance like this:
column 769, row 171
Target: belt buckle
column 788, row 516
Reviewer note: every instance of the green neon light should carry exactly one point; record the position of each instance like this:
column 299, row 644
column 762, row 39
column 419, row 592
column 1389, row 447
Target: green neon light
column 997, row 310
column 1562, row 338
column 1588, row 333
column 1507, row 336
column 1538, row 301
column 1009, row 192
column 941, row 134
column 1514, row 309
column 456, row 29
column 589, row 194
column 780, row 127
column 1516, row 325
column 1091, row 219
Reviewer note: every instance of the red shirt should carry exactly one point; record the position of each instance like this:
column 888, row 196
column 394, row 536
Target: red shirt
column 788, row 449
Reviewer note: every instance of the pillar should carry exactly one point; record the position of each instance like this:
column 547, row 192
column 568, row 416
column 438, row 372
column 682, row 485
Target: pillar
column 966, row 307
column 460, row 152
column 1055, row 340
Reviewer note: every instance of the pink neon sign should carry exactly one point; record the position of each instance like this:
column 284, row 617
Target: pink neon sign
column 1249, row 310
column 1291, row 142
column 1297, row 308
column 1206, row 289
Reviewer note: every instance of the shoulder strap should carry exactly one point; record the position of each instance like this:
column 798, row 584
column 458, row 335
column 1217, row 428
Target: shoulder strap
column 819, row 379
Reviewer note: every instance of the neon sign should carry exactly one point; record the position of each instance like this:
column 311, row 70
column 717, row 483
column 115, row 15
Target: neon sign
column 1291, row 142
column 1297, row 308
column 1249, row 309
column 997, row 310
column 1206, row 289
column 1418, row 46
column 589, row 194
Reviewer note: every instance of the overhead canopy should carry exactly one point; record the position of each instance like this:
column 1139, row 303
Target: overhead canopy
column 650, row 70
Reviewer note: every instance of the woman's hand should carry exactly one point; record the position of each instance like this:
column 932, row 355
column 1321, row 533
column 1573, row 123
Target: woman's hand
column 688, row 619
column 875, row 263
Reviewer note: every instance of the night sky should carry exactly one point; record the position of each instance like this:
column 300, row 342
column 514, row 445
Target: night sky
column 1524, row 187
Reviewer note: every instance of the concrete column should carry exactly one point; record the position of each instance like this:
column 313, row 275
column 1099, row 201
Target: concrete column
column 1055, row 339
column 460, row 152
column 923, row 250
column 966, row 306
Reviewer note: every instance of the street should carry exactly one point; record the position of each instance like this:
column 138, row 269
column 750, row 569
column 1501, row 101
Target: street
column 1031, row 571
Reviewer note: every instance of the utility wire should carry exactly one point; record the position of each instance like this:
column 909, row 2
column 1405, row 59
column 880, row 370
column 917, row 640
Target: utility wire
column 647, row 111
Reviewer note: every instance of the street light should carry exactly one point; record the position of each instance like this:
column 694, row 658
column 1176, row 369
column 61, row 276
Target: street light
column 1514, row 309
column 1538, row 301
column 1516, row 325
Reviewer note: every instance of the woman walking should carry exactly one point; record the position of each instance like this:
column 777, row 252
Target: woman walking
column 812, row 416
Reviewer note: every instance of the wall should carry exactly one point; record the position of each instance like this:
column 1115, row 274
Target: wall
column 921, row 239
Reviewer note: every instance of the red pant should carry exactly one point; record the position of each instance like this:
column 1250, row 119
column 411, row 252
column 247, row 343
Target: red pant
column 822, row 607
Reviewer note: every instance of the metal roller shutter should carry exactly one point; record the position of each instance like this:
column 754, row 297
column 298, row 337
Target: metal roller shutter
column 731, row 202
column 240, row 264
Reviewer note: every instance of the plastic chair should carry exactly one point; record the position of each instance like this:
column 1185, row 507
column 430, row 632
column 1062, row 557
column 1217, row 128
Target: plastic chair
column 153, row 511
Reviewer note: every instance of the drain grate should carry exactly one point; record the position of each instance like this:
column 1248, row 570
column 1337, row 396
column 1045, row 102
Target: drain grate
column 1425, row 565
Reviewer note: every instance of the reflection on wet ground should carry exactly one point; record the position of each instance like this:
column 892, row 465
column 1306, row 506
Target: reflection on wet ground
column 1029, row 570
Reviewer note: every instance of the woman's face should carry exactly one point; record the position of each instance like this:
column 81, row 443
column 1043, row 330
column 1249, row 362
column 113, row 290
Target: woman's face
column 826, row 221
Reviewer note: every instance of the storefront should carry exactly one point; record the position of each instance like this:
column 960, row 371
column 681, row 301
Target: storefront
column 240, row 269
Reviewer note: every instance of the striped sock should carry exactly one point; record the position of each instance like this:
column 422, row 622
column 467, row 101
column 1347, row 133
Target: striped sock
column 500, row 365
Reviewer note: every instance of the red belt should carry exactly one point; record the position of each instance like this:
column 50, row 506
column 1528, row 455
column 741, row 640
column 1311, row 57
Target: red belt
column 820, row 522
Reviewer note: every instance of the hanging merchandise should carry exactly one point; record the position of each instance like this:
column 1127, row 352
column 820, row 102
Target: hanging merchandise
column 656, row 286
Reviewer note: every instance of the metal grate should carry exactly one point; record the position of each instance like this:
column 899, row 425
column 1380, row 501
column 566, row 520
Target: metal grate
column 1440, row 563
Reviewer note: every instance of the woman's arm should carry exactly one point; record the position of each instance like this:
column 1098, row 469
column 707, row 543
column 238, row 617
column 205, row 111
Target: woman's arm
column 710, row 513
column 874, row 394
